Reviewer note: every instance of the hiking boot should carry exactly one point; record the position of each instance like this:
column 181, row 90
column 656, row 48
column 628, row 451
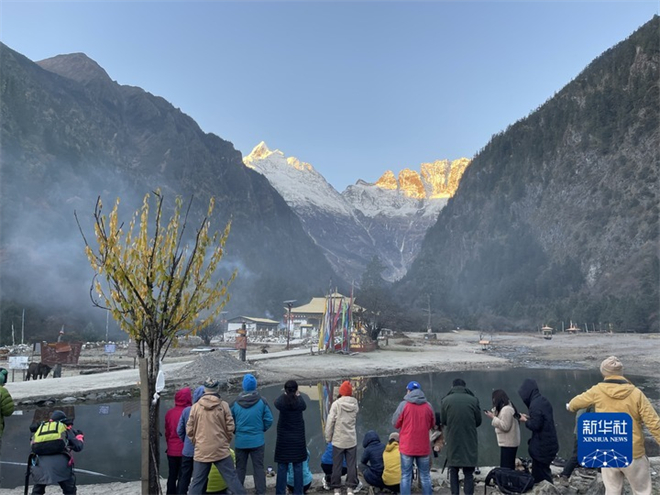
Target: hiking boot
column 357, row 488
column 326, row 485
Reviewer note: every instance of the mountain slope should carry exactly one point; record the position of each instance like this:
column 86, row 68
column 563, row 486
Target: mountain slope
column 386, row 219
column 557, row 217
column 69, row 134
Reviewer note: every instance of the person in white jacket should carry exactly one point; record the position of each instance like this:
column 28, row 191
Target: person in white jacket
column 340, row 430
column 504, row 418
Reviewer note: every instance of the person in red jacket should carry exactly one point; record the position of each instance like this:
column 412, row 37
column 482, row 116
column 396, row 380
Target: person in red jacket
column 182, row 399
column 414, row 418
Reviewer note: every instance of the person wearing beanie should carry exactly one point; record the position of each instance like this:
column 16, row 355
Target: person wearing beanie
column 392, row 464
column 414, row 418
column 617, row 394
column 210, row 428
column 252, row 417
column 182, row 399
column 57, row 468
column 340, row 430
column 460, row 416
column 543, row 444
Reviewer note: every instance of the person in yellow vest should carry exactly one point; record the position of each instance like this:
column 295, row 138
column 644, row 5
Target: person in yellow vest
column 392, row 463
column 216, row 483
column 616, row 394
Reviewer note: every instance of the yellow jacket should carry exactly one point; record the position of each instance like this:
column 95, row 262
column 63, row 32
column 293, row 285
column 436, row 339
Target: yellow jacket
column 616, row 394
column 392, row 463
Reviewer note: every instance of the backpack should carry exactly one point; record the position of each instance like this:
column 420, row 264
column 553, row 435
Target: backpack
column 50, row 438
column 510, row 481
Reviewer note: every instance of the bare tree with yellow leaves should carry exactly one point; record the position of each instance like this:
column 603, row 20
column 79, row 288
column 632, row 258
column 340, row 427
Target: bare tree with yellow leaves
column 156, row 287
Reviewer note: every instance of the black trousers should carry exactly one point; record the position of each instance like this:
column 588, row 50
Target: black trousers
column 68, row 487
column 174, row 469
column 541, row 471
column 572, row 463
column 508, row 457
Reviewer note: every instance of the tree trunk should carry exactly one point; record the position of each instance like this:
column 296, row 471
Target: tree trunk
column 150, row 431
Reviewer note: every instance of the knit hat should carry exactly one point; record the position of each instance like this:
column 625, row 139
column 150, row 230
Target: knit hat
column 58, row 415
column 345, row 389
column 394, row 436
column 611, row 366
column 249, row 383
column 211, row 386
column 413, row 386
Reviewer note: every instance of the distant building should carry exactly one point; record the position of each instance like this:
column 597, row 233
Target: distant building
column 256, row 327
column 306, row 319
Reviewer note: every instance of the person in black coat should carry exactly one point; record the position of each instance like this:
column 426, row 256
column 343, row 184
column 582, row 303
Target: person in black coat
column 290, row 446
column 543, row 445
column 371, row 463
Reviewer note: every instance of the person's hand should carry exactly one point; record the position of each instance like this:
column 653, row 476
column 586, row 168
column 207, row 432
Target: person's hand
column 524, row 417
column 489, row 414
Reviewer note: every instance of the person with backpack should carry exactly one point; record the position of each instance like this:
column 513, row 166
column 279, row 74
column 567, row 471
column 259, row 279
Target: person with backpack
column 252, row 417
column 461, row 416
column 53, row 444
column 340, row 430
column 504, row 418
column 616, row 394
column 543, row 444
column 182, row 399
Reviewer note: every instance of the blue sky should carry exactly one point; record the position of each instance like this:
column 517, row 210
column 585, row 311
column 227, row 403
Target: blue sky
column 354, row 88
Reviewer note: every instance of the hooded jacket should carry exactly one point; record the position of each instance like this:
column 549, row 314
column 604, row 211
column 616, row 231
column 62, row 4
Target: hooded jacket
column 507, row 427
column 616, row 394
column 391, row 464
column 182, row 399
column 414, row 417
column 372, row 458
column 188, row 447
column 6, row 406
column 543, row 444
column 252, row 416
column 210, row 428
column 340, row 425
column 461, row 416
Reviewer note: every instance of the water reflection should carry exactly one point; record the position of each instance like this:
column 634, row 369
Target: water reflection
column 112, row 430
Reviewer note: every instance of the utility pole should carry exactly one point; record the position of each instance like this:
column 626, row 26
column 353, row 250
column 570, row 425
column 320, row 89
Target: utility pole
column 23, row 327
column 289, row 305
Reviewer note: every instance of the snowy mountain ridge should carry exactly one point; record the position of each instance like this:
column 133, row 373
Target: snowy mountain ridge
column 388, row 218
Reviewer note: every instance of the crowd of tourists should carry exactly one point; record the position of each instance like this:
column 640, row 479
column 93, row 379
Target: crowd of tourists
column 201, row 427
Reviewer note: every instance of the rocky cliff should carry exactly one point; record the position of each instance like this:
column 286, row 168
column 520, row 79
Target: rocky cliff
column 557, row 217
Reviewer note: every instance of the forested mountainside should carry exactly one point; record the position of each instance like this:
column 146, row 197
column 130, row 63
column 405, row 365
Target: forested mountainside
column 69, row 134
column 557, row 217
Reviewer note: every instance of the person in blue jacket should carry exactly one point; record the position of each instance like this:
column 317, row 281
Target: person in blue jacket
column 326, row 466
column 186, row 470
column 252, row 417
column 371, row 463
column 308, row 477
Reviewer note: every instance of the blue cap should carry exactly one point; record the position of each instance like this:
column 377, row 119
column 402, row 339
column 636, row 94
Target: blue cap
column 249, row 383
column 413, row 386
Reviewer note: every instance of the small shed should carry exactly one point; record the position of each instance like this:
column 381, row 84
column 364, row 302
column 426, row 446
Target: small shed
column 256, row 327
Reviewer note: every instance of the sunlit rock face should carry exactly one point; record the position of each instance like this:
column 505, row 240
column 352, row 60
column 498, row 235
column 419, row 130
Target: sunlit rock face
column 388, row 218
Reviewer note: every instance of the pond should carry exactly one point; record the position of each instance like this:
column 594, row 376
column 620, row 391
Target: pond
column 112, row 430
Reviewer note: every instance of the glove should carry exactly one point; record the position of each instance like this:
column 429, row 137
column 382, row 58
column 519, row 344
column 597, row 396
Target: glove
column 80, row 437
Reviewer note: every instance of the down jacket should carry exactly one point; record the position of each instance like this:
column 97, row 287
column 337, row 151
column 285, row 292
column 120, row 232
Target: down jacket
column 543, row 444
column 290, row 445
column 210, row 428
column 372, row 458
column 182, row 399
column 616, row 394
column 507, row 427
column 6, row 406
column 340, row 425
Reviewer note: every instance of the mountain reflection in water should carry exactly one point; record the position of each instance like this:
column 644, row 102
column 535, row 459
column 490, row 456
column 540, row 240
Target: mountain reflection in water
column 112, row 430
